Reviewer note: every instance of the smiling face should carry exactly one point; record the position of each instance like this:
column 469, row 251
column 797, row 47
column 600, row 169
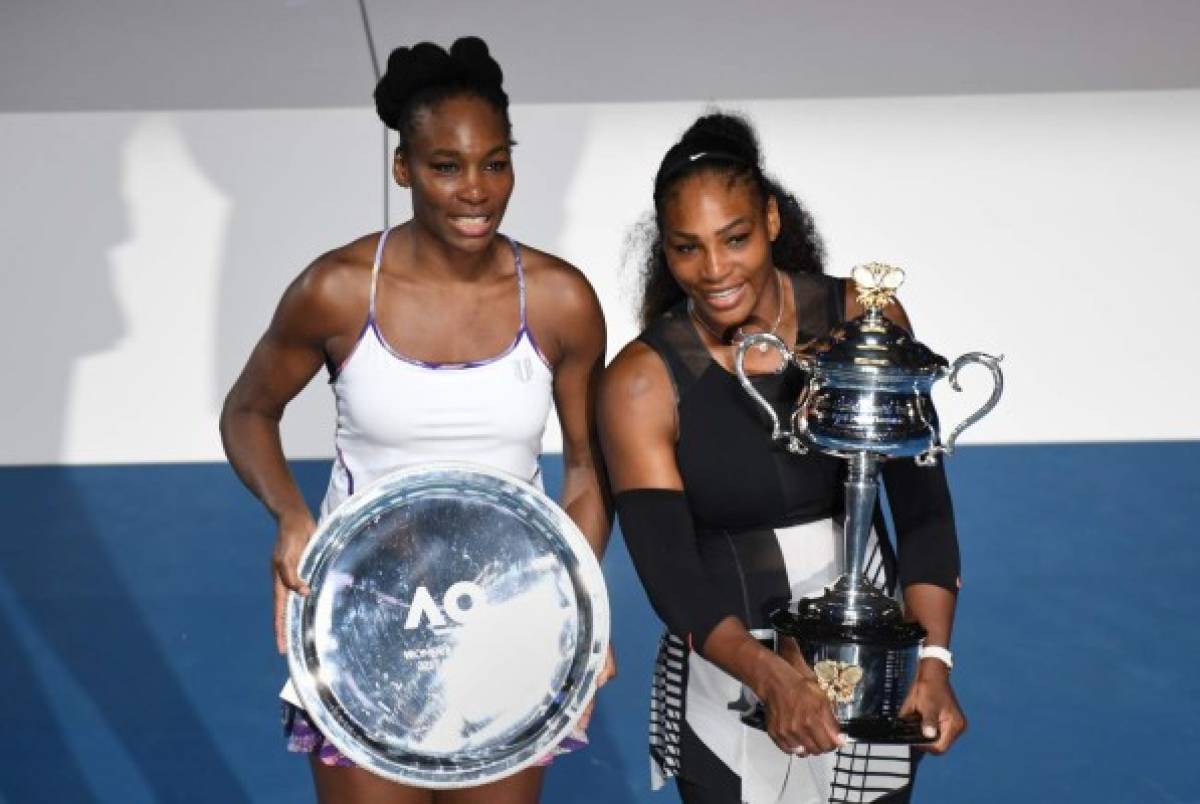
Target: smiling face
column 459, row 167
column 716, row 234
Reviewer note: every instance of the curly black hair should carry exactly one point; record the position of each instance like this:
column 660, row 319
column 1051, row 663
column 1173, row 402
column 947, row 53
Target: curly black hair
column 426, row 74
column 722, row 142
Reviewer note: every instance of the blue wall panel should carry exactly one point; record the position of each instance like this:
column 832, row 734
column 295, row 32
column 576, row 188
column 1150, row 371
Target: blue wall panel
column 138, row 663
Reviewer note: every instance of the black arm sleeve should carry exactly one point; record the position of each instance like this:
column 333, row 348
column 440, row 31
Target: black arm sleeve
column 657, row 525
column 926, row 539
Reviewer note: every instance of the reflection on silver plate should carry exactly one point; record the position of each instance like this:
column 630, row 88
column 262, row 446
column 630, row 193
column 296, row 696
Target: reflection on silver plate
column 455, row 628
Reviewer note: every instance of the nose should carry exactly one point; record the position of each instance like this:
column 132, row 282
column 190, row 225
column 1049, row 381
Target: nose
column 714, row 268
column 473, row 191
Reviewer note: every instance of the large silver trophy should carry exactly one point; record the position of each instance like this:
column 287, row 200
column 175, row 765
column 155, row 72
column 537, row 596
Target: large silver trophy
column 456, row 626
column 867, row 399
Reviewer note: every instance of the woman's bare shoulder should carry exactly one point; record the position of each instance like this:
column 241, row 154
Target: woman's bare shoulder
column 638, row 421
column 564, row 310
column 339, row 270
column 555, row 278
column 333, row 289
column 636, row 381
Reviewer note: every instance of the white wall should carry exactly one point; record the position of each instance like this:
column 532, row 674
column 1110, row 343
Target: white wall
column 146, row 251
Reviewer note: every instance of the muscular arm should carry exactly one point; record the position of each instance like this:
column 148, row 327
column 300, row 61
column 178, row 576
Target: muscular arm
column 638, row 433
column 569, row 312
column 289, row 354
column 636, row 414
column 927, row 543
column 576, row 379
column 566, row 308
column 637, row 425
column 284, row 360
column 928, row 546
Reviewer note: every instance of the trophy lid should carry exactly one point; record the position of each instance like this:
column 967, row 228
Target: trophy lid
column 870, row 343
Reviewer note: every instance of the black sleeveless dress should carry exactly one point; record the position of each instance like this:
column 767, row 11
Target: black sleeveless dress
column 768, row 526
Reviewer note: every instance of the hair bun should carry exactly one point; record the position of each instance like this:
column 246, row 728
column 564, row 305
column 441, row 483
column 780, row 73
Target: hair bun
column 470, row 53
column 409, row 70
column 412, row 70
column 721, row 131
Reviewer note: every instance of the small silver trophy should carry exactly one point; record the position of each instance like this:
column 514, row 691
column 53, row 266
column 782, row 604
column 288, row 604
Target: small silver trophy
column 867, row 399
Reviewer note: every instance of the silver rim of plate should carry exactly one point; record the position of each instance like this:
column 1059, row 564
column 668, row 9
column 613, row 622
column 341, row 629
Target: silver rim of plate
column 457, row 623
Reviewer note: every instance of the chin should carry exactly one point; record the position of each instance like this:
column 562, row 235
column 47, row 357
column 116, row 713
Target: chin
column 474, row 245
column 728, row 319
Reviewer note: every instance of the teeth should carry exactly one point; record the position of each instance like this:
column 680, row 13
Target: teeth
column 724, row 294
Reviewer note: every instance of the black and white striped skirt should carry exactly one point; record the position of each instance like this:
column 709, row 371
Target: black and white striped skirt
column 689, row 693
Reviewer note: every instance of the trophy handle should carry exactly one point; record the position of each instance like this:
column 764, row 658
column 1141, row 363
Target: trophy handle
column 778, row 434
column 929, row 457
column 799, row 417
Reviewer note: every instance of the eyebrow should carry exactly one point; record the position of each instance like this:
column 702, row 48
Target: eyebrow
column 458, row 154
column 723, row 230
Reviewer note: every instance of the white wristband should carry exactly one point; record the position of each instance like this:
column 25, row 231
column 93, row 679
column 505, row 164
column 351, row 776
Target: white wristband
column 943, row 655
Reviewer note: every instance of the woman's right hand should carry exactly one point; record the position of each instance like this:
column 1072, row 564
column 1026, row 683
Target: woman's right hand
column 293, row 536
column 322, row 307
column 800, row 717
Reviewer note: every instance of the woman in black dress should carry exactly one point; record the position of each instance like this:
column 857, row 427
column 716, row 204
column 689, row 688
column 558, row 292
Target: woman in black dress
column 724, row 528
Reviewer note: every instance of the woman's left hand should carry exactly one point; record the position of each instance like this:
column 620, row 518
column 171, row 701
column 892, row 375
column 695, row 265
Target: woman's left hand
column 607, row 673
column 932, row 698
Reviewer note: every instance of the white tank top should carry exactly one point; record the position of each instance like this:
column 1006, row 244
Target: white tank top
column 394, row 411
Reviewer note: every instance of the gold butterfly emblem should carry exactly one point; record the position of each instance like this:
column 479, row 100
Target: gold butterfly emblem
column 877, row 284
column 838, row 680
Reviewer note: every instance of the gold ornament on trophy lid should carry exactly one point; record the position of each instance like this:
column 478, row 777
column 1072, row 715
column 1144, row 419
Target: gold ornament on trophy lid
column 877, row 284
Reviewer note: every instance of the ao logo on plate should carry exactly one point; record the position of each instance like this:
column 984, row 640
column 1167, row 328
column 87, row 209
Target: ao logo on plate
column 425, row 609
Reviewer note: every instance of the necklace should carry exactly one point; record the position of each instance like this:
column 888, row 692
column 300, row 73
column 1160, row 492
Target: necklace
column 738, row 335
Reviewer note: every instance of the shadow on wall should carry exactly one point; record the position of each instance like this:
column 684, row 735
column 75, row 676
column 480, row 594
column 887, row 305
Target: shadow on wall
column 62, row 216
column 99, row 699
column 303, row 182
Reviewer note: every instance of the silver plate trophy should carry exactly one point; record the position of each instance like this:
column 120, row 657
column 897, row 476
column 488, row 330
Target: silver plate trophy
column 867, row 399
column 456, row 625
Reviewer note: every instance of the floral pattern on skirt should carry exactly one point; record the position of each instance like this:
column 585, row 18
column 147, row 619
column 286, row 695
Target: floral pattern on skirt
column 303, row 737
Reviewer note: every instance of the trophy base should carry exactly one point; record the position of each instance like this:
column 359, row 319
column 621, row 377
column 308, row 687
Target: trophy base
column 881, row 730
column 888, row 730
